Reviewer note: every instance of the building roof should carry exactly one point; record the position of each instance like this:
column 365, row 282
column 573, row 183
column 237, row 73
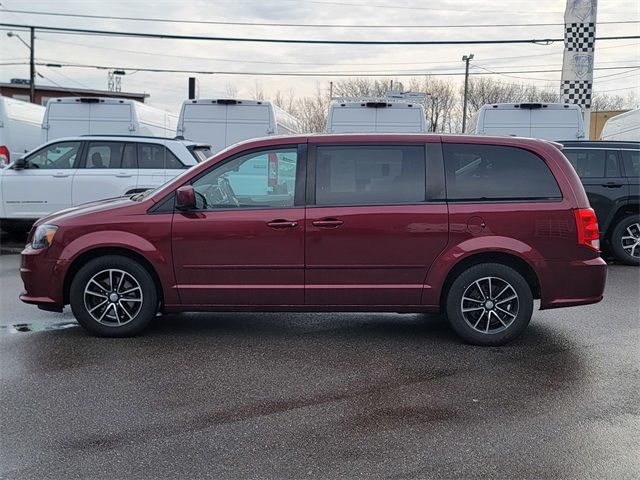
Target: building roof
column 78, row 91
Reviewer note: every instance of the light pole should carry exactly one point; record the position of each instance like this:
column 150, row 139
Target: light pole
column 32, row 61
column 466, row 59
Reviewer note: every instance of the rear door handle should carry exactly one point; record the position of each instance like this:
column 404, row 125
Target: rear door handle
column 612, row 185
column 124, row 175
column 61, row 175
column 327, row 223
column 281, row 223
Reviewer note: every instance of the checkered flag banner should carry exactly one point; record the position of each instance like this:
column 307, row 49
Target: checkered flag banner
column 579, row 44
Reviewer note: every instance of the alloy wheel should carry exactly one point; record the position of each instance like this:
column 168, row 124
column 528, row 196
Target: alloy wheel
column 113, row 297
column 489, row 305
column 631, row 241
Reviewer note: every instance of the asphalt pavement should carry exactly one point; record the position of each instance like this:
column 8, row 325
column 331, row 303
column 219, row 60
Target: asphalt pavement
column 320, row 395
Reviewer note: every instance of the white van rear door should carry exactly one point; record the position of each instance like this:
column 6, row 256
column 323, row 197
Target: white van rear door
column 507, row 122
column 204, row 123
column 392, row 120
column 555, row 124
column 66, row 120
column 110, row 119
column 353, row 120
column 247, row 121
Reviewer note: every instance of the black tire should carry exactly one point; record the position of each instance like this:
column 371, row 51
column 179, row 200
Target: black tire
column 617, row 237
column 139, row 317
column 503, row 324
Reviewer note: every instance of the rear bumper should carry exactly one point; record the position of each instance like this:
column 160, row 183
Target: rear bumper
column 42, row 280
column 569, row 283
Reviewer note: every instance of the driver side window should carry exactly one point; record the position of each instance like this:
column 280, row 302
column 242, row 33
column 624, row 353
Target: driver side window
column 57, row 156
column 259, row 179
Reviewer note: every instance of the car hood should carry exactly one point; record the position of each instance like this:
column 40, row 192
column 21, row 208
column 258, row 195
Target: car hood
column 90, row 208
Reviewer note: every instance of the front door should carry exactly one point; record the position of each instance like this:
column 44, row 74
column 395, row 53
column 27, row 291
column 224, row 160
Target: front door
column 244, row 242
column 375, row 228
column 44, row 185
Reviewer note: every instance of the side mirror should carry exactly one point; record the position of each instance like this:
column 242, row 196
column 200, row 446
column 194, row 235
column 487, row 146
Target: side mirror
column 185, row 198
column 20, row 164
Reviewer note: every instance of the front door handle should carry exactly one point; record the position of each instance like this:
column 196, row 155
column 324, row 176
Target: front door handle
column 612, row 185
column 327, row 223
column 61, row 175
column 281, row 223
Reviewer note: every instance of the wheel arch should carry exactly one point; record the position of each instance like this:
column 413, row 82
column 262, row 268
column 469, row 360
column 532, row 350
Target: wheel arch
column 88, row 255
column 622, row 212
column 510, row 260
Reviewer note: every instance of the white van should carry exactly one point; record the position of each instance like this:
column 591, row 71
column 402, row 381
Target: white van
column 376, row 115
column 20, row 124
column 548, row 121
column 73, row 116
column 223, row 122
column 623, row 127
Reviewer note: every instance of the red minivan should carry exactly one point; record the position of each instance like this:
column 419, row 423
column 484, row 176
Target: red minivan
column 474, row 227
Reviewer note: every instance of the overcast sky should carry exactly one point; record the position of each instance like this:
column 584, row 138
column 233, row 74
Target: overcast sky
column 168, row 90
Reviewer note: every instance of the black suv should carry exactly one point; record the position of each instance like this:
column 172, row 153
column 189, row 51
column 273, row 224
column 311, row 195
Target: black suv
column 610, row 173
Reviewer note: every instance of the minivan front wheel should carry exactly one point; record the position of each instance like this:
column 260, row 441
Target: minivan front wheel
column 625, row 240
column 113, row 296
column 489, row 304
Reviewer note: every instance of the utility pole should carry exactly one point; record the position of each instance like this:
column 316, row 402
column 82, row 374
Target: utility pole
column 32, row 63
column 466, row 59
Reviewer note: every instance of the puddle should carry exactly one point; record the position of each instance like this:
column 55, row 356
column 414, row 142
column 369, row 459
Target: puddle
column 35, row 327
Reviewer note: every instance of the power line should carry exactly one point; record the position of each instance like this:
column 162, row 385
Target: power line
column 544, row 41
column 265, row 62
column 302, row 74
column 306, row 25
column 407, row 7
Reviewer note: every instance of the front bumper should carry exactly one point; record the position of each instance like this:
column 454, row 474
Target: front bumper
column 43, row 280
column 569, row 283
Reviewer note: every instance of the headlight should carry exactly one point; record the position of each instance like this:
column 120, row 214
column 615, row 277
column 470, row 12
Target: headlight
column 43, row 236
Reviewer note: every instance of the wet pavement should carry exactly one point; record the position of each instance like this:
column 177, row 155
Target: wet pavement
column 320, row 395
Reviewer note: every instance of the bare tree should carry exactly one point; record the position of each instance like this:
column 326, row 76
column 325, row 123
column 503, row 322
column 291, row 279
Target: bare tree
column 258, row 91
column 231, row 90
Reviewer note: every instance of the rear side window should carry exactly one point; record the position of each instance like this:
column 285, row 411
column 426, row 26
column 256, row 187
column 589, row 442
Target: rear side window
column 157, row 156
column 104, row 155
column 631, row 162
column 366, row 175
column 587, row 163
column 495, row 172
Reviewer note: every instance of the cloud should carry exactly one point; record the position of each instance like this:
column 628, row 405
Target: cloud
column 170, row 89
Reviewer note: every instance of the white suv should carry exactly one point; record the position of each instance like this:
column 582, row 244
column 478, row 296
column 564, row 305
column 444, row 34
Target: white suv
column 70, row 171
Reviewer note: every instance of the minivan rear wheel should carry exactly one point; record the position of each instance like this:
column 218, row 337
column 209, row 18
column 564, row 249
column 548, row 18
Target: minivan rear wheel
column 489, row 304
column 625, row 240
column 113, row 296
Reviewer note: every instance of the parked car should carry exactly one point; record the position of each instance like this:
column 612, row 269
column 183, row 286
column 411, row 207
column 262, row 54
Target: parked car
column 20, row 124
column 76, row 170
column 475, row 227
column 73, row 116
column 224, row 122
column 549, row 121
column 610, row 173
column 623, row 127
column 376, row 115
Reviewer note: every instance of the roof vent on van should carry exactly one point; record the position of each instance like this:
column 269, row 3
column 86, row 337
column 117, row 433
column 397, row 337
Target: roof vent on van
column 376, row 104
column 227, row 101
column 531, row 106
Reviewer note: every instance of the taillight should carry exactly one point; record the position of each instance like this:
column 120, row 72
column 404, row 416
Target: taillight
column 4, row 155
column 587, row 227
